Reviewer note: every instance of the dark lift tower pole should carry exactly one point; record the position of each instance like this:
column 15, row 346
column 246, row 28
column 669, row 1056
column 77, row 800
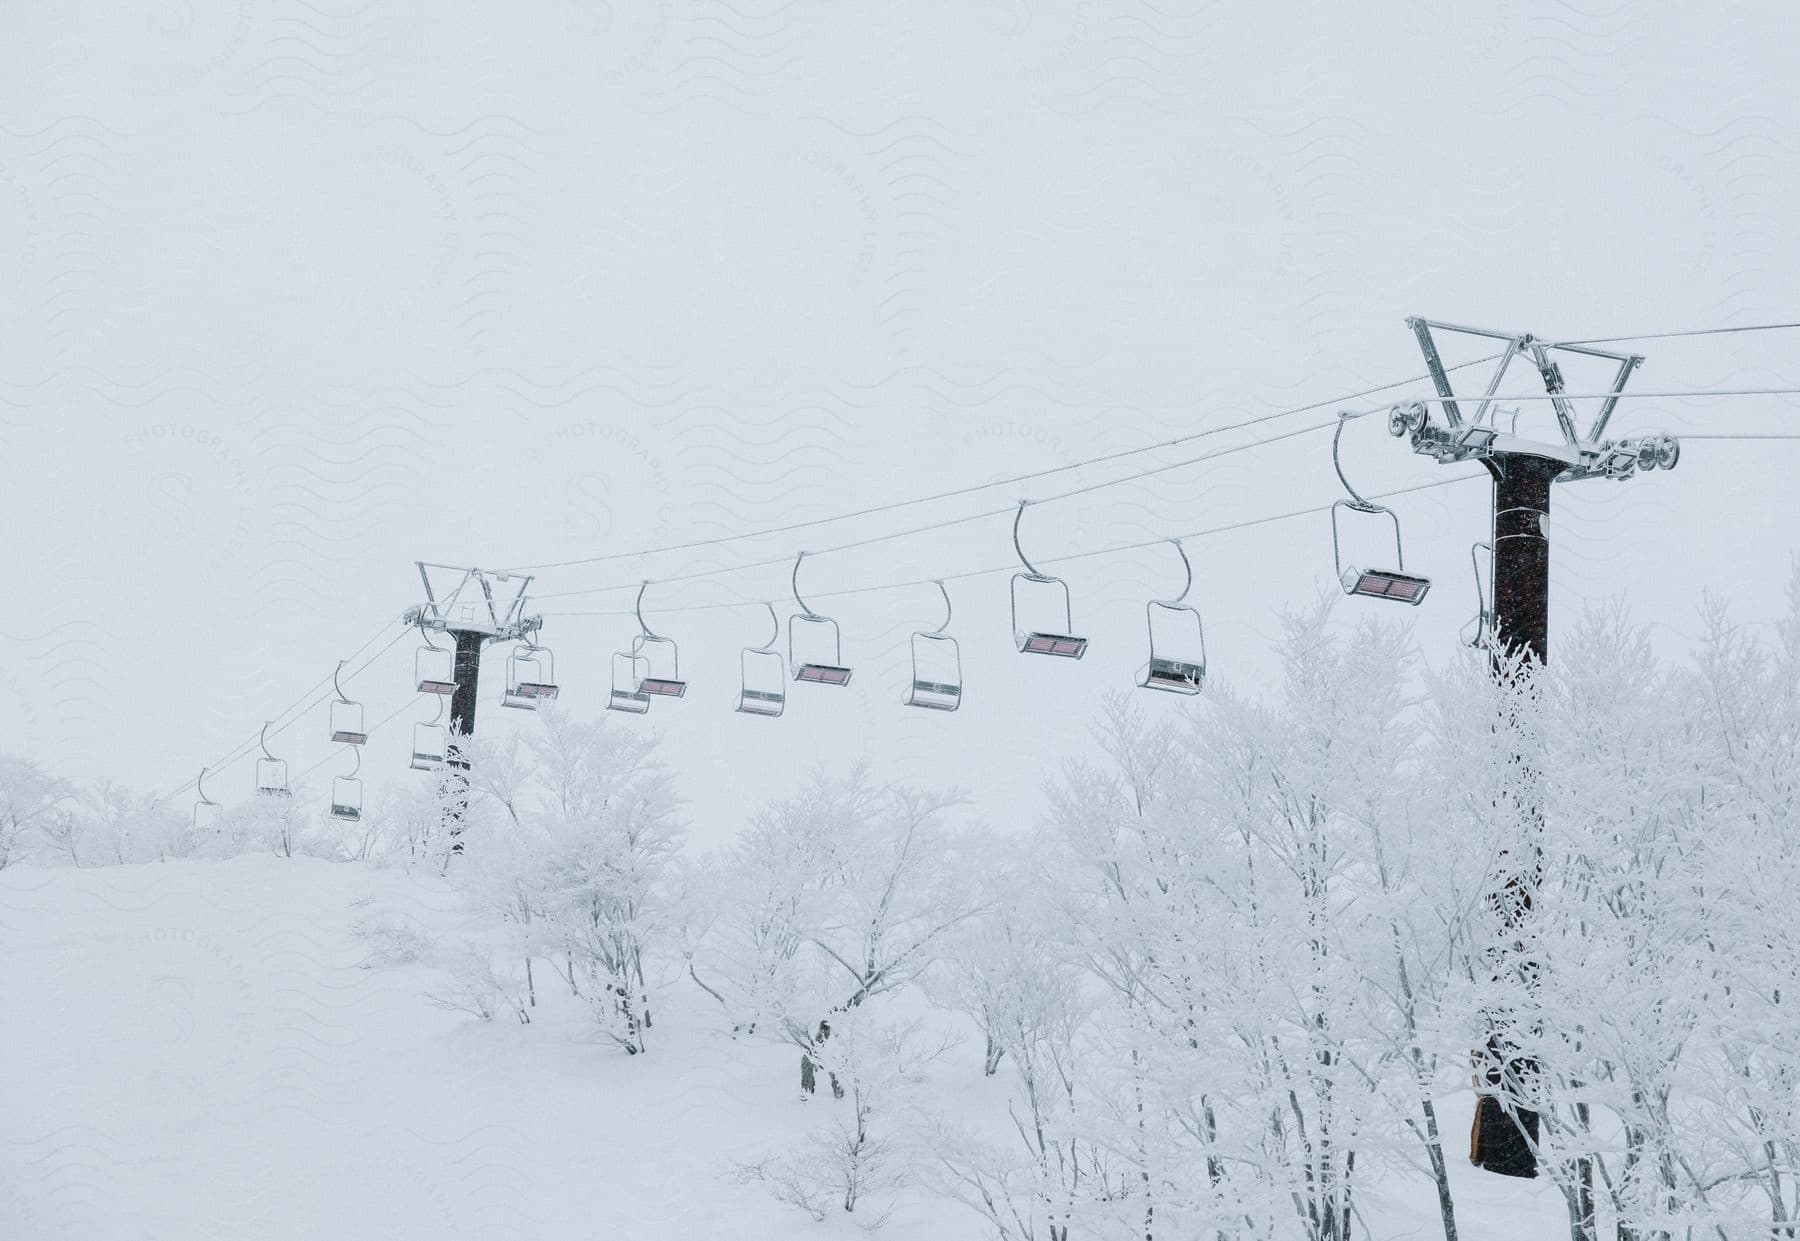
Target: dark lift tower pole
column 477, row 607
column 1504, row 1138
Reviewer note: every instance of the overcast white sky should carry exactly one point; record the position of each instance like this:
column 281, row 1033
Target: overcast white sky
column 294, row 294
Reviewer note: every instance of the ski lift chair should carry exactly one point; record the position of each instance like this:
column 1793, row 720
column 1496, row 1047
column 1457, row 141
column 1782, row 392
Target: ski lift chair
column 764, row 687
column 271, row 772
column 1039, row 641
column 1396, row 583
column 431, row 743
column 346, row 716
column 833, row 673
column 346, row 793
column 627, row 694
column 208, row 814
column 434, row 666
column 1177, row 665
column 653, row 681
column 529, row 677
column 936, row 666
column 1479, row 631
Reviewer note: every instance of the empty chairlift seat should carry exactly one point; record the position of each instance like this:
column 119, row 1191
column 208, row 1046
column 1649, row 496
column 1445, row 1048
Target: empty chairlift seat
column 530, row 677
column 1051, row 634
column 1381, row 583
column 763, row 689
column 627, row 694
column 660, row 669
column 209, row 815
column 430, row 746
column 346, row 716
column 271, row 772
column 346, row 798
column 1177, row 662
column 434, row 668
column 816, row 669
column 937, row 680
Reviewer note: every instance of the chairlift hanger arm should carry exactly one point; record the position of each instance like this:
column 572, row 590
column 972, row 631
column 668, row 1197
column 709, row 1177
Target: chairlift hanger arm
column 794, row 582
column 774, row 632
column 1356, row 501
column 639, row 609
column 1188, row 569
column 945, row 591
column 1030, row 568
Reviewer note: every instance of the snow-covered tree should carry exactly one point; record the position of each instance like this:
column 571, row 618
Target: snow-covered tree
column 842, row 893
column 29, row 798
column 571, row 843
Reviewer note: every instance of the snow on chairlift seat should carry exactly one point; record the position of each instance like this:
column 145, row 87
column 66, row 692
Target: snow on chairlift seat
column 761, row 701
column 934, row 695
column 1175, row 675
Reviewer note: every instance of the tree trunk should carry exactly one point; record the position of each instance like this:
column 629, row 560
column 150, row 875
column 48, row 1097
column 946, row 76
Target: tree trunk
column 1440, row 1173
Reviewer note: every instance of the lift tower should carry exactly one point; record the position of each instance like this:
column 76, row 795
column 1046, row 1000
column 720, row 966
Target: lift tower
column 1516, row 627
column 474, row 607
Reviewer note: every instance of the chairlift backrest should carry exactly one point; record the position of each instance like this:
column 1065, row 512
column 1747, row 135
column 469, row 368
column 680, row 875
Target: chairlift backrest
column 627, row 675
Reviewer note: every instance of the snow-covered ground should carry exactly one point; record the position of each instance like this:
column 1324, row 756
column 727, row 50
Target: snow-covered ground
column 199, row 1050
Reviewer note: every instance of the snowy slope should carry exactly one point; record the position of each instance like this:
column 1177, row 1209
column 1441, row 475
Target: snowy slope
column 204, row 1050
